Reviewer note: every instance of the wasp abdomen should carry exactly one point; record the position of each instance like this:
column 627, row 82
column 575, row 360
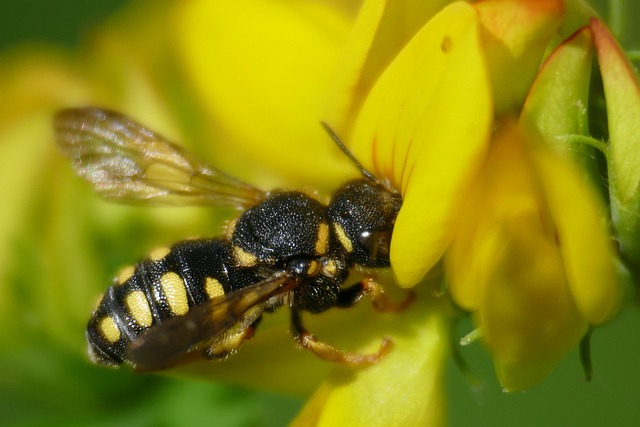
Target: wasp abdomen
column 165, row 284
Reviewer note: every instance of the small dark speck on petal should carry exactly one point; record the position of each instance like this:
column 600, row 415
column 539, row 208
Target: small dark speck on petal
column 446, row 44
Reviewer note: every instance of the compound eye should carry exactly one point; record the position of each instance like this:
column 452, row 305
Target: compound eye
column 376, row 244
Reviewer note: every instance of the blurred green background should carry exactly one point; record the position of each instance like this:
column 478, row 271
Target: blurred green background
column 44, row 383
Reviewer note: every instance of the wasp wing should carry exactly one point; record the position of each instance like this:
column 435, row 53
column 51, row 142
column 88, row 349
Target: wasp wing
column 126, row 161
column 175, row 340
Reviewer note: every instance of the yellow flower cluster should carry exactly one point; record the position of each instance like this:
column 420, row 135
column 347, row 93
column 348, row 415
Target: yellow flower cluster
column 471, row 111
column 477, row 112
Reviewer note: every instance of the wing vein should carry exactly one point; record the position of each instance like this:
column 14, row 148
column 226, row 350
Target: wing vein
column 127, row 162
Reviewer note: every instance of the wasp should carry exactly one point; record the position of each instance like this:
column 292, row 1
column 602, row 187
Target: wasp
column 205, row 297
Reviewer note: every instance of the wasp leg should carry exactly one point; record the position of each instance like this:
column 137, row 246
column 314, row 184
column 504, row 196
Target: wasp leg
column 381, row 302
column 329, row 353
column 228, row 343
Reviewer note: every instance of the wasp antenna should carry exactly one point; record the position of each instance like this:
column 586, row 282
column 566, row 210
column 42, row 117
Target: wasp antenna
column 346, row 151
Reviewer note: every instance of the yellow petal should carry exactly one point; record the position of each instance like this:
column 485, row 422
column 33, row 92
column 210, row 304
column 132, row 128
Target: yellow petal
column 527, row 313
column 263, row 68
column 33, row 85
column 26, row 151
column 586, row 248
column 381, row 30
column 131, row 69
column 36, row 80
column 426, row 126
column 556, row 106
column 531, row 258
column 504, row 188
column 515, row 36
column 406, row 388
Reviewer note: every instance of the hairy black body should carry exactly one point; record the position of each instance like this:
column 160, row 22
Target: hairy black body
column 205, row 297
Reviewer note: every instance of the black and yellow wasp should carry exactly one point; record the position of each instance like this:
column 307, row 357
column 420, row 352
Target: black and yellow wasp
column 205, row 297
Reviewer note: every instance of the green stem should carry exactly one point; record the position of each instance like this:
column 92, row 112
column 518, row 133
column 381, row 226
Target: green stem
column 471, row 337
column 458, row 359
column 585, row 355
column 616, row 17
column 633, row 55
column 586, row 140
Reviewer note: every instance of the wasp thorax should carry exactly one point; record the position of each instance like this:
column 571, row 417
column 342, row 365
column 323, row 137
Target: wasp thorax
column 362, row 213
column 285, row 225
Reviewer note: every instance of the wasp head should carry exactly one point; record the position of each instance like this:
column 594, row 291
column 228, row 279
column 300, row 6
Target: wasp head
column 362, row 214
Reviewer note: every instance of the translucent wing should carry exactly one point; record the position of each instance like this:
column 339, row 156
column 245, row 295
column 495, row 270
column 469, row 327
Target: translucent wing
column 175, row 340
column 126, row 161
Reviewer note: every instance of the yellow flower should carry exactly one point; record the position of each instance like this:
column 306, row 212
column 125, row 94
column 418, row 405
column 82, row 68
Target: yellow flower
column 296, row 73
column 423, row 93
column 426, row 127
column 531, row 259
column 250, row 108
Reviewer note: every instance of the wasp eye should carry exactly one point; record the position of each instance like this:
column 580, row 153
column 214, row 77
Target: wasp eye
column 365, row 238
